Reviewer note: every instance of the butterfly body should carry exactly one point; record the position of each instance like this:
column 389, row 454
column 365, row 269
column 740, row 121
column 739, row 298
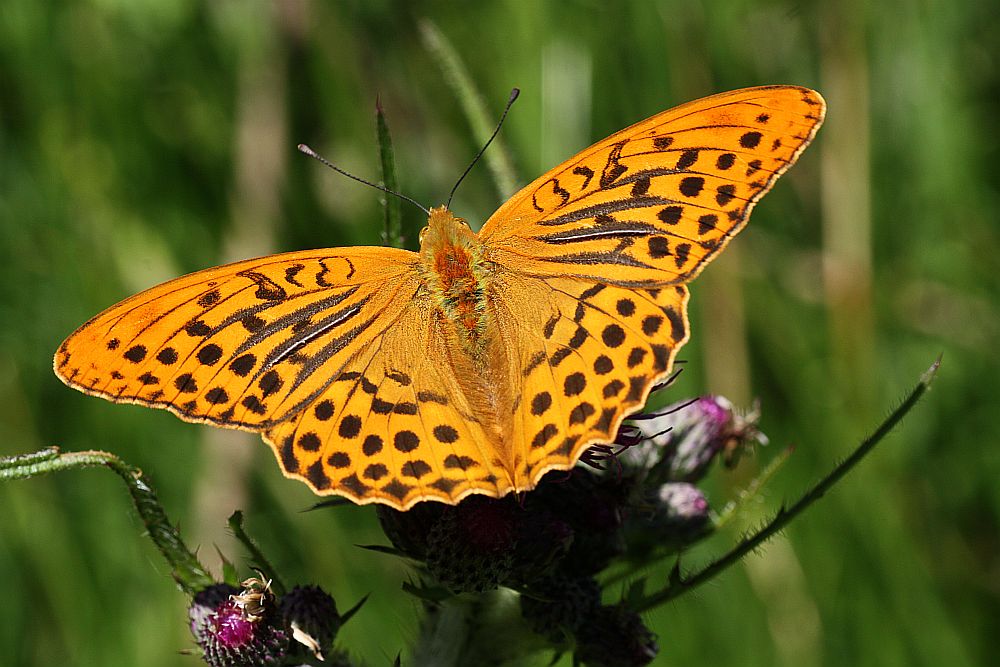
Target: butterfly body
column 456, row 275
column 457, row 282
column 484, row 360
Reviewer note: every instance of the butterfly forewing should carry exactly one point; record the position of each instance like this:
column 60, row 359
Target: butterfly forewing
column 243, row 345
column 653, row 203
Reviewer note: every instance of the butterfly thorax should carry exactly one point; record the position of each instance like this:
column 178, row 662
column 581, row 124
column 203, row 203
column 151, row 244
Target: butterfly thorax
column 455, row 275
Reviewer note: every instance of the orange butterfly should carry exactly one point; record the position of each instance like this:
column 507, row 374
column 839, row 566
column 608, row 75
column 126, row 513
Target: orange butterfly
column 483, row 361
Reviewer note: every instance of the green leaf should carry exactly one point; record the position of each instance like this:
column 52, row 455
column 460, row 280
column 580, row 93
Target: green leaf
column 428, row 593
column 230, row 575
column 346, row 616
column 392, row 228
column 381, row 549
column 256, row 555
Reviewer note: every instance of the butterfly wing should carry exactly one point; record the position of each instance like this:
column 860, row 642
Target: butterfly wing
column 594, row 256
column 335, row 356
column 584, row 355
column 242, row 345
column 395, row 427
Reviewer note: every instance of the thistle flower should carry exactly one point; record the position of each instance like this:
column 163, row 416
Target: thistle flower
column 206, row 602
column 230, row 635
column 471, row 546
column 680, row 441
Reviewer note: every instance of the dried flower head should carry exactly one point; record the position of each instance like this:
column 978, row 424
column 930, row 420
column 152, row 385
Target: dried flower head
column 255, row 597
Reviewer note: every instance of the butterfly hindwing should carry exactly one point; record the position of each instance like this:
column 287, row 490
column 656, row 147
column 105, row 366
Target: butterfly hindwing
column 584, row 357
column 394, row 427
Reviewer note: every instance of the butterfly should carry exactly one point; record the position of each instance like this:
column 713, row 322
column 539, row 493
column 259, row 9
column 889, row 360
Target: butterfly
column 483, row 361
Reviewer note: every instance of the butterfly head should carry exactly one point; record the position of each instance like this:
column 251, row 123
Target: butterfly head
column 444, row 229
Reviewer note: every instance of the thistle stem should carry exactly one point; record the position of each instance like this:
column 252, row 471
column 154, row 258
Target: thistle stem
column 679, row 584
column 189, row 574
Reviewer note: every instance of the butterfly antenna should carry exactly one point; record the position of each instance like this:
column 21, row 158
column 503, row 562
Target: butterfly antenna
column 513, row 96
column 313, row 154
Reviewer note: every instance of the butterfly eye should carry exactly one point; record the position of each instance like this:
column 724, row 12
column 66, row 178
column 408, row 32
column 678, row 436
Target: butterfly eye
column 420, row 237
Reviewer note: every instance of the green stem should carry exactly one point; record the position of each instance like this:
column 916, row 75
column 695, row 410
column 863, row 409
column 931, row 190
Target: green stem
column 482, row 122
column 485, row 630
column 190, row 575
column 679, row 584
column 25, row 462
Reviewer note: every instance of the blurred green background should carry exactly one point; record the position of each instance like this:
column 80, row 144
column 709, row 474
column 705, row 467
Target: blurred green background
column 142, row 139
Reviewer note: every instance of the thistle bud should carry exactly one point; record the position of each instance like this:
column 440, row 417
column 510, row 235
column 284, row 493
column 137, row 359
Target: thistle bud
column 613, row 636
column 555, row 607
column 681, row 504
column 543, row 539
column 673, row 516
column 311, row 615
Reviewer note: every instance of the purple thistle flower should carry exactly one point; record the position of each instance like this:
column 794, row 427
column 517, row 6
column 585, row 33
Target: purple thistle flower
column 680, row 441
column 231, row 627
column 230, row 636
